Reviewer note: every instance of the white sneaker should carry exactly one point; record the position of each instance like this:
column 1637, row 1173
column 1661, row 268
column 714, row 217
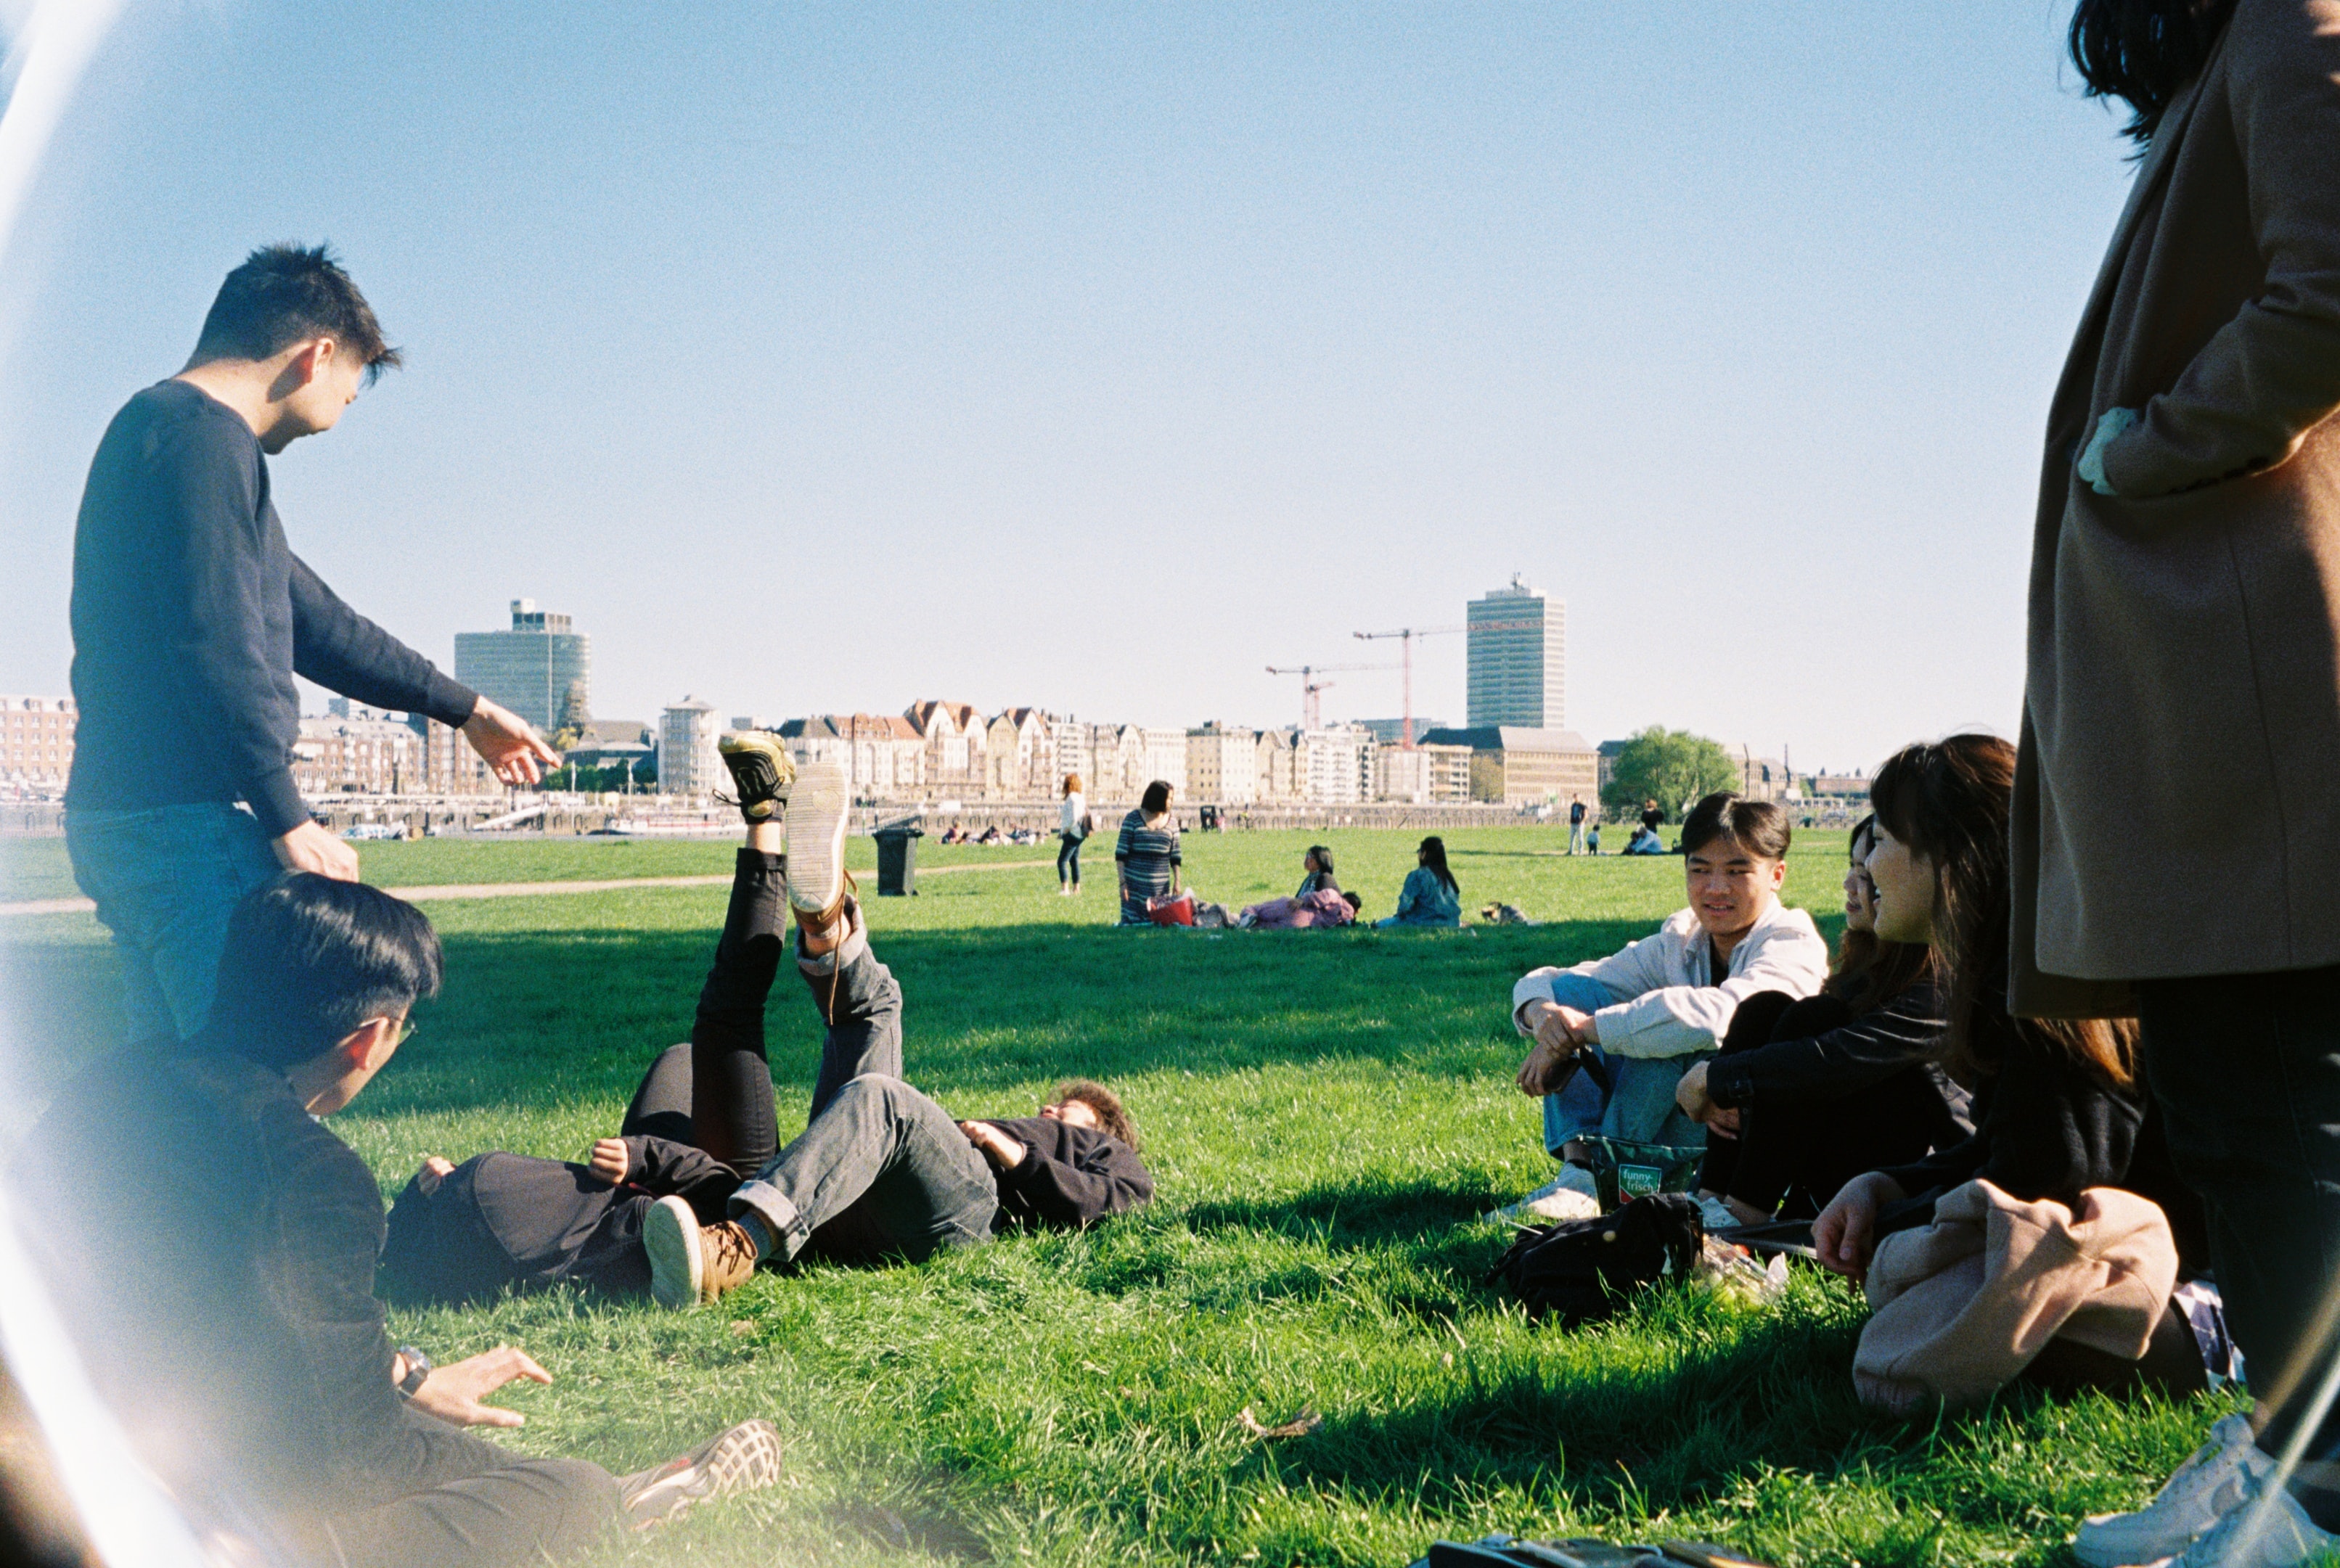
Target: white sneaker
column 2268, row 1529
column 2222, row 1472
column 817, row 811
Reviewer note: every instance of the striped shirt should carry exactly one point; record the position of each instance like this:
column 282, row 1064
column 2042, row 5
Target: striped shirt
column 1145, row 855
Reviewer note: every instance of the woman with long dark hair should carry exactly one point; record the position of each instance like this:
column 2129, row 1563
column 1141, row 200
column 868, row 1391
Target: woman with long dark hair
column 1809, row 1094
column 2175, row 840
column 1431, row 895
column 1316, row 873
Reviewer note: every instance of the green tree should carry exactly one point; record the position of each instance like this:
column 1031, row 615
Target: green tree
column 1673, row 767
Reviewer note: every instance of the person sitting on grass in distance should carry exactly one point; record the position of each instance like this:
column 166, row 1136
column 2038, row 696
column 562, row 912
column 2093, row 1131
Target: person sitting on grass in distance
column 1809, row 1094
column 1644, row 839
column 226, row 1308
column 1145, row 858
column 1316, row 873
column 2058, row 1108
column 1430, row 897
column 1327, row 908
column 880, row 1170
column 1647, row 1013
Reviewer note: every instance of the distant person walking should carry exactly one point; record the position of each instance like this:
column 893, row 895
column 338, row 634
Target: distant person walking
column 1074, row 829
column 1316, row 872
column 1576, row 827
column 1430, row 897
column 2185, row 603
column 192, row 617
column 1145, row 858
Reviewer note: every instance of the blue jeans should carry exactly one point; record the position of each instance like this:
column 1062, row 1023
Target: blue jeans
column 1575, row 837
column 1639, row 1103
column 165, row 879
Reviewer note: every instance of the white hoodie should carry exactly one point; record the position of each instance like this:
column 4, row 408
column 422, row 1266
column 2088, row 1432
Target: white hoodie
column 1664, row 1001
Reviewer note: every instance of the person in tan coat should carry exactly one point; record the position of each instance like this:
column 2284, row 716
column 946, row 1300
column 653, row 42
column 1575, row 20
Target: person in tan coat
column 2175, row 843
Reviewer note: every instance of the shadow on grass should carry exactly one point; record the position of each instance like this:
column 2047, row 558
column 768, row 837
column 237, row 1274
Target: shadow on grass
column 1426, row 1219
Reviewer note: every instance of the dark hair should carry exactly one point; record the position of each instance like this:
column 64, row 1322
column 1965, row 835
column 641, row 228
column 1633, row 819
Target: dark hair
column 1868, row 973
column 1110, row 1111
column 1157, row 799
column 1757, row 826
column 1949, row 801
column 1356, row 904
column 283, row 294
column 1323, row 858
column 1432, row 854
column 2143, row 52
column 309, row 960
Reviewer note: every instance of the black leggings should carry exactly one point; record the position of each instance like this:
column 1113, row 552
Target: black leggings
column 1807, row 1150
column 731, row 1112
column 1068, row 859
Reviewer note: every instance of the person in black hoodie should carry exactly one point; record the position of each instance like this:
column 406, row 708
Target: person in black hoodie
column 2058, row 1108
column 880, row 1170
column 226, row 1310
column 1810, row 1093
column 694, row 1190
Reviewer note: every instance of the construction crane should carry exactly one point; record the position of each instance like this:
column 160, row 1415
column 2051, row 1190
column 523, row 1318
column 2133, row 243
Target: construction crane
column 1406, row 636
column 1310, row 685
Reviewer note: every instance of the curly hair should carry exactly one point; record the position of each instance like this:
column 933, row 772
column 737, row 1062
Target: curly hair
column 1113, row 1117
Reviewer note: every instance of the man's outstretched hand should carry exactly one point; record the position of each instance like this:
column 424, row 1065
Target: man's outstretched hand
column 454, row 1393
column 508, row 743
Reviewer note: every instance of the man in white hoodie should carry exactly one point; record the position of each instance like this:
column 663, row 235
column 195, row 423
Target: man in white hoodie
column 1643, row 1015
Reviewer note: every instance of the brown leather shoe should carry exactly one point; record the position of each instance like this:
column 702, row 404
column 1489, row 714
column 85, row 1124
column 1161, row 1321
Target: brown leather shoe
column 690, row 1264
column 731, row 1260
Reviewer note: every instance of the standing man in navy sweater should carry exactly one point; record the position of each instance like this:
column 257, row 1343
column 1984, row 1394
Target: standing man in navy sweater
column 191, row 616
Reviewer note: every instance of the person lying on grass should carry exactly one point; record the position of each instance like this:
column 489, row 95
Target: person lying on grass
column 225, row 1307
column 1647, row 1013
column 1326, row 907
column 880, row 1169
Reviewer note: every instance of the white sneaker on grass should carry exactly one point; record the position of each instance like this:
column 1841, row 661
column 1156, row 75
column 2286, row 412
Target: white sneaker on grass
column 2268, row 1529
column 2221, row 1475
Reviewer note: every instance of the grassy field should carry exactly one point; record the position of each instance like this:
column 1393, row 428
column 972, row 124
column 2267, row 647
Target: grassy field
column 1328, row 1114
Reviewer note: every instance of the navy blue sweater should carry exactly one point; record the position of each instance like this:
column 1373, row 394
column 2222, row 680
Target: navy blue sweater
column 190, row 617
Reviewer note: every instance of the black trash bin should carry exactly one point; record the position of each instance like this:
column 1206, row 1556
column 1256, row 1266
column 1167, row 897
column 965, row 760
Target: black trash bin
column 897, row 858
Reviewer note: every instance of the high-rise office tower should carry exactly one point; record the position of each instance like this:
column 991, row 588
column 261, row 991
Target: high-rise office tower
column 1518, row 658
column 540, row 669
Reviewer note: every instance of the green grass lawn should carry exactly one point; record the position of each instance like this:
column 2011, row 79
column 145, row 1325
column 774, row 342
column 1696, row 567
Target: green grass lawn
column 1327, row 1113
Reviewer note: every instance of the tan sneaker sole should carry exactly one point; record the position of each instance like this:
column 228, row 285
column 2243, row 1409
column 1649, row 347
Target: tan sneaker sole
column 678, row 1264
column 819, row 810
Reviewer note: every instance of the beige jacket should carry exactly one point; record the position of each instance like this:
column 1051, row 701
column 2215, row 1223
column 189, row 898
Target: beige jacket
column 2175, row 797
column 1963, row 1304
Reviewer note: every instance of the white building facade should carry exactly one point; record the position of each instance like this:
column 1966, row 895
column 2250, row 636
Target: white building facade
column 689, row 764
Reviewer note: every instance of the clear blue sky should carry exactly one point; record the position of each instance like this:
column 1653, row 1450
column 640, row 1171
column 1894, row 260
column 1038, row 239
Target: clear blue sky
column 1097, row 356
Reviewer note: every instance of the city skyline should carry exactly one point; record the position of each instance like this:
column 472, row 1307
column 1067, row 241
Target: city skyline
column 806, row 356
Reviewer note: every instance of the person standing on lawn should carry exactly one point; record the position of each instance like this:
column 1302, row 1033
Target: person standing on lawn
column 191, row 616
column 1072, row 831
column 1645, row 1015
column 880, row 1170
column 1145, row 858
column 1575, row 826
column 2185, row 623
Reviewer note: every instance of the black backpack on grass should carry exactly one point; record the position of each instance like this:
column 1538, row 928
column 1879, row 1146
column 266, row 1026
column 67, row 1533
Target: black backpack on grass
column 1583, row 1270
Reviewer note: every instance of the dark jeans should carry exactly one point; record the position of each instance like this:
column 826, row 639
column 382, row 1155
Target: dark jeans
column 1068, row 859
column 504, row 1510
column 1805, row 1152
column 2245, row 1069
column 880, row 1170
